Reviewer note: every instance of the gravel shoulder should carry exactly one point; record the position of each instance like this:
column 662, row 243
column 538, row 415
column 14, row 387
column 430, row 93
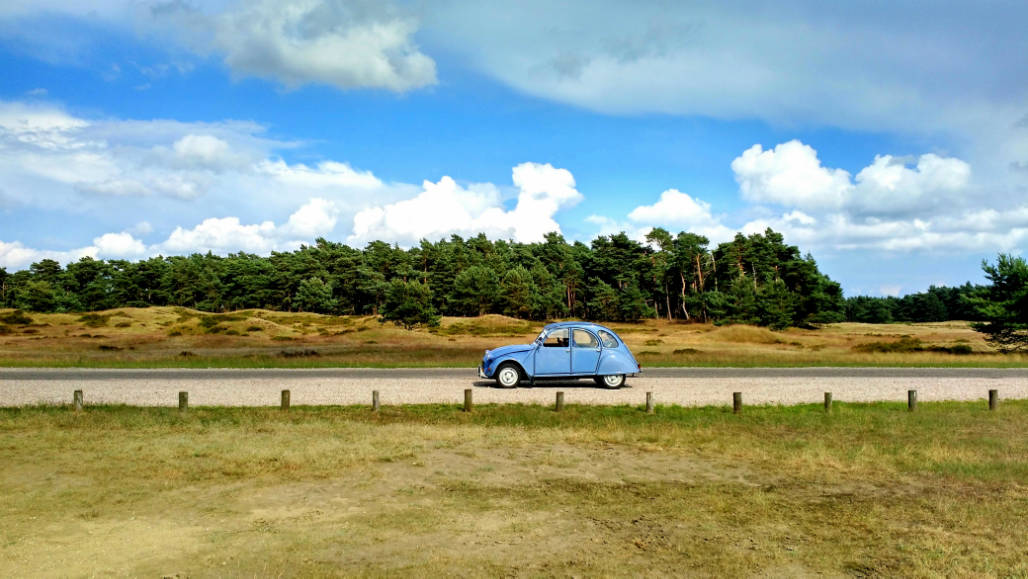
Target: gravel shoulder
column 683, row 386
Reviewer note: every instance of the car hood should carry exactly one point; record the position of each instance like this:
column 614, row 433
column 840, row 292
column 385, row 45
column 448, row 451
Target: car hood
column 505, row 350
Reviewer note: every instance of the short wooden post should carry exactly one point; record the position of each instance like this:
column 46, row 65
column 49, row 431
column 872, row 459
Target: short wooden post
column 183, row 401
column 374, row 401
column 911, row 400
column 560, row 402
column 649, row 403
column 285, row 400
column 467, row 400
column 77, row 398
column 993, row 399
column 736, row 402
column 828, row 401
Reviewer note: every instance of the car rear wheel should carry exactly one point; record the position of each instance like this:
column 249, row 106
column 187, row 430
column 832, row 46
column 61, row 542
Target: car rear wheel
column 611, row 381
column 508, row 376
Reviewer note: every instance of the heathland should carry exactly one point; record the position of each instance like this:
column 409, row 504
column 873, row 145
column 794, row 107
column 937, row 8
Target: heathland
column 511, row 490
column 180, row 337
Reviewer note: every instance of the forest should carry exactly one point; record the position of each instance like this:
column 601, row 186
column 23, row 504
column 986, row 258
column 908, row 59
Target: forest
column 755, row 279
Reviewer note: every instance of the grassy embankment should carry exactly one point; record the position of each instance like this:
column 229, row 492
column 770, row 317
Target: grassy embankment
column 178, row 337
column 871, row 490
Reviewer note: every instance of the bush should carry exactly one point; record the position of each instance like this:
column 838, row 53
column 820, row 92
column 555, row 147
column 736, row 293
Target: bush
column 16, row 318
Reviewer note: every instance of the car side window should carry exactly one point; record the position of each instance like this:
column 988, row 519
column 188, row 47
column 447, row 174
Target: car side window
column 609, row 341
column 556, row 339
column 584, row 339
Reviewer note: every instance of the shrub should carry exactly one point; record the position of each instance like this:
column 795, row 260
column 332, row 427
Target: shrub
column 16, row 318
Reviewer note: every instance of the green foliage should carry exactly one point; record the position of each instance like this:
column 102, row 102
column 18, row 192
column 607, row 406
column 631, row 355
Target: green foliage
column 314, row 295
column 16, row 318
column 908, row 344
column 409, row 304
column 1004, row 304
column 753, row 279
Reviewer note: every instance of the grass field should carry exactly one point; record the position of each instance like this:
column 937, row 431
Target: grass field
column 178, row 337
column 871, row 490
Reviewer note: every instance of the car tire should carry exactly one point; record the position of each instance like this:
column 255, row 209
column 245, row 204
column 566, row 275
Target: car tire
column 508, row 375
column 611, row 381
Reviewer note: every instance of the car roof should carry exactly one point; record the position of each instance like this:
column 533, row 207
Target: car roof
column 588, row 325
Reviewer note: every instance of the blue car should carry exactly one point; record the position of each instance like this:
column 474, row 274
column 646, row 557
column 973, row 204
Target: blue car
column 563, row 350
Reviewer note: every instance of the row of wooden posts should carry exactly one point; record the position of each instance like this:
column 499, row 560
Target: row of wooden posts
column 183, row 401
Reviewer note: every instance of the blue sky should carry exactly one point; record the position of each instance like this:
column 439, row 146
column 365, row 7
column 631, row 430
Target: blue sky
column 890, row 141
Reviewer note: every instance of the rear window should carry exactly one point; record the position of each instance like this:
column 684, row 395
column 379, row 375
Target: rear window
column 608, row 339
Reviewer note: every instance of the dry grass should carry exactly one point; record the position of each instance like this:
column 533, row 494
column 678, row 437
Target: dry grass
column 515, row 490
column 158, row 337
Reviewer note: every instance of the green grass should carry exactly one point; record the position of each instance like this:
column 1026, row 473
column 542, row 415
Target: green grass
column 869, row 489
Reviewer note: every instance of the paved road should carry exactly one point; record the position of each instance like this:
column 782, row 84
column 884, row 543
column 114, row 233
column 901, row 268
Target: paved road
column 686, row 386
column 86, row 374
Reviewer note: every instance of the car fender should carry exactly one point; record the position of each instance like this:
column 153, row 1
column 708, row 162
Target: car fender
column 615, row 362
column 519, row 358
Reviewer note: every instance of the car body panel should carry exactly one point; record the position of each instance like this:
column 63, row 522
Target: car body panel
column 566, row 349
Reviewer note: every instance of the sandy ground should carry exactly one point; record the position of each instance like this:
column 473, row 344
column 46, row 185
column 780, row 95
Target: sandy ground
column 252, row 388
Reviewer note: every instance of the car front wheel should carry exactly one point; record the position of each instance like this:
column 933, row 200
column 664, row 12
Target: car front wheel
column 508, row 376
column 611, row 381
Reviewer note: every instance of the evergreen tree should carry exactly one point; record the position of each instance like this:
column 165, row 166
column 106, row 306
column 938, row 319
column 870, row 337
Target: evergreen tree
column 314, row 295
column 409, row 304
column 1005, row 303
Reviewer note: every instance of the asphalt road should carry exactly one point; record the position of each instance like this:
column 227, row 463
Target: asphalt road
column 88, row 374
column 685, row 386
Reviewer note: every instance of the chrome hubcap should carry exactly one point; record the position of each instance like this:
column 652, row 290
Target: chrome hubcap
column 508, row 376
column 612, row 380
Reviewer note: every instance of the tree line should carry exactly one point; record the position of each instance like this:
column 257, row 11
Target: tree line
column 754, row 279
column 937, row 304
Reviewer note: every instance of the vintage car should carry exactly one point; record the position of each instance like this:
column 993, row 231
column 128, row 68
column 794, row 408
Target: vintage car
column 563, row 350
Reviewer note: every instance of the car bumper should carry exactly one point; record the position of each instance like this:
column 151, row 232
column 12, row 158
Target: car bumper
column 481, row 372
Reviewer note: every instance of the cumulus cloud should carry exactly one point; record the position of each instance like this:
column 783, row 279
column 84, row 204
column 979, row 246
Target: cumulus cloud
column 445, row 208
column 679, row 211
column 892, row 205
column 791, row 175
column 344, row 43
column 15, row 255
column 220, row 235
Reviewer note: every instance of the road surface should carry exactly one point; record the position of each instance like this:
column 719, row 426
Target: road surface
column 685, row 386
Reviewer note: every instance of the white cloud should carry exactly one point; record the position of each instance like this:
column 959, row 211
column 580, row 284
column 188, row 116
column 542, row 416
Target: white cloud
column 790, row 174
column 888, row 185
column 317, row 217
column 111, row 245
column 678, row 211
column 15, row 255
column 446, row 208
column 341, row 43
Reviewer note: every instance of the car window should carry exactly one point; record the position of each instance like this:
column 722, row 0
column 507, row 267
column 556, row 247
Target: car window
column 584, row 339
column 609, row 341
column 556, row 339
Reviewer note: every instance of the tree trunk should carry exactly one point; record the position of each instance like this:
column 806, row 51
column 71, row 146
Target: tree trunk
column 667, row 302
column 699, row 271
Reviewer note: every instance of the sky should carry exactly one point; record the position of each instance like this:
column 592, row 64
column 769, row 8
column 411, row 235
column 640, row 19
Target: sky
column 887, row 139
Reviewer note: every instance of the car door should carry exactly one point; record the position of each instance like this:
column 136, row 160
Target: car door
column 553, row 356
column 585, row 352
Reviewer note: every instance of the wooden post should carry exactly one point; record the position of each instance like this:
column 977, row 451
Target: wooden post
column 911, row 400
column 993, row 399
column 560, row 402
column 828, row 401
column 467, row 400
column 736, row 402
column 374, row 401
column 649, row 403
column 183, row 401
column 285, row 400
column 77, row 398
